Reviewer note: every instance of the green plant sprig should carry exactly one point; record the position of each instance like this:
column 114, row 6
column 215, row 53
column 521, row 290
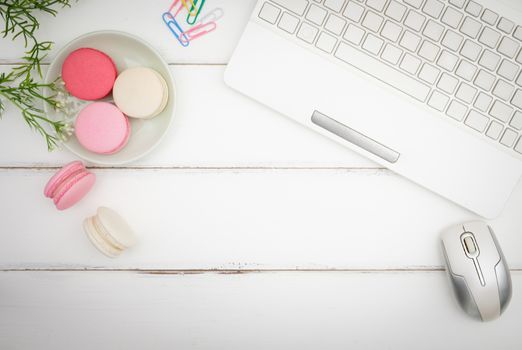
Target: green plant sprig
column 18, row 86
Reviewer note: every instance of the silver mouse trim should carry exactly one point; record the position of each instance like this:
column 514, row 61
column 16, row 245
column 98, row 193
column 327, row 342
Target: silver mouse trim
column 464, row 298
column 503, row 277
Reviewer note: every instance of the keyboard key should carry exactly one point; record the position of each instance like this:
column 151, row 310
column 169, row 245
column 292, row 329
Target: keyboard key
column 489, row 37
column 473, row 8
column 269, row 13
column 377, row 5
column 466, row 70
column 429, row 73
column 452, row 40
column 466, row 93
column 489, row 17
column 517, row 99
column 326, row 42
column 428, row 50
column 334, row 5
column 438, row 100
column 501, row 111
column 482, row 102
column 494, row 130
column 470, row 50
column 519, row 57
column 353, row 11
column 335, row 24
column 373, row 44
column 296, row 6
column 489, row 60
column 447, row 60
column 381, row 71
column 470, row 27
column 451, row 17
column 391, row 54
column 508, row 47
column 372, row 21
column 518, row 33
column 410, row 41
column 457, row 3
column 391, row 31
column 316, row 15
column 410, row 63
column 414, row 20
column 518, row 146
column 433, row 30
column 354, row 34
column 447, row 83
column 509, row 138
column 307, row 32
column 477, row 121
column 288, row 23
column 395, row 11
column 456, row 110
column 484, row 80
column 505, row 25
column 516, row 121
column 519, row 79
column 414, row 3
column 433, row 8
column 503, row 90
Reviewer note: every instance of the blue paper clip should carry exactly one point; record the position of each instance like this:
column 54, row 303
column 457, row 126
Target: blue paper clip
column 175, row 28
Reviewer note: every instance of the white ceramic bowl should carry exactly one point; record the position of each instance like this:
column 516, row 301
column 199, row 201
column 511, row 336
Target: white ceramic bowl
column 126, row 51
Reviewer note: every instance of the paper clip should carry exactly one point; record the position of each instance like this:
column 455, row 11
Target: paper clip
column 205, row 25
column 190, row 6
column 180, row 7
column 191, row 19
column 175, row 28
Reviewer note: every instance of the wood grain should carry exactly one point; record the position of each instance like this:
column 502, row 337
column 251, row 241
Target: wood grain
column 304, row 310
column 229, row 218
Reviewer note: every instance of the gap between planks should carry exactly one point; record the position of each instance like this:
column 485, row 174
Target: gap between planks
column 233, row 271
column 226, row 271
column 203, row 168
column 195, row 64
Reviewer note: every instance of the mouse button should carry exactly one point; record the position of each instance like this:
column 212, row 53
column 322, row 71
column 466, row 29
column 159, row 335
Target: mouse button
column 456, row 257
column 504, row 284
column 470, row 246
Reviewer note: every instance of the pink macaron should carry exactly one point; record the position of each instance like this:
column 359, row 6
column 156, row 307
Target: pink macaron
column 89, row 74
column 102, row 128
column 69, row 185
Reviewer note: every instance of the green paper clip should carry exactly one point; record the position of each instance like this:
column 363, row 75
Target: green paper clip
column 191, row 19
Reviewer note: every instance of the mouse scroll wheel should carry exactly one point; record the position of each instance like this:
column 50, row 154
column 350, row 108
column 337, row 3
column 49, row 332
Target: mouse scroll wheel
column 470, row 246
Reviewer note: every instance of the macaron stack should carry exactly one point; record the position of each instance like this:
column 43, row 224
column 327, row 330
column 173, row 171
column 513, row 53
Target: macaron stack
column 106, row 230
column 103, row 127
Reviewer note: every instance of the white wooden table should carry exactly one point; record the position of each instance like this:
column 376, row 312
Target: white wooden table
column 255, row 233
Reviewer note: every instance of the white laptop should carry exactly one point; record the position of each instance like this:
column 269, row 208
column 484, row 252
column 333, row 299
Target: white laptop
column 430, row 89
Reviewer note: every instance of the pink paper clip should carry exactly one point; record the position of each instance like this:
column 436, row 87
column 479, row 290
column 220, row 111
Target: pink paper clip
column 178, row 10
column 204, row 26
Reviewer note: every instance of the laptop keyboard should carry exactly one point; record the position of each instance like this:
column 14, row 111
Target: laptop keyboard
column 456, row 56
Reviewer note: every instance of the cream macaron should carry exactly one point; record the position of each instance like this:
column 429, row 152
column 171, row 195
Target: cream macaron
column 140, row 92
column 109, row 232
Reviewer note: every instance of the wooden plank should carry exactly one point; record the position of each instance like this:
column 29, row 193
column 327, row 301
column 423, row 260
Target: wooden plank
column 229, row 219
column 227, row 130
column 338, row 310
column 141, row 18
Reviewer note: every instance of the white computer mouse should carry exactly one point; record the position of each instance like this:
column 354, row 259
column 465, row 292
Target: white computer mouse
column 477, row 269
